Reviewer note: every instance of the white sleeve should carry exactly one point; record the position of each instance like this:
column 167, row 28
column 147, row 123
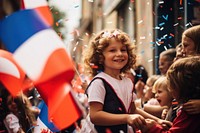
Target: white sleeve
column 12, row 123
column 96, row 91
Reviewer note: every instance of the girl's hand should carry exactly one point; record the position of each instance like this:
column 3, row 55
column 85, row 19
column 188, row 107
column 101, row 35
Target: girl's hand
column 149, row 124
column 165, row 124
column 192, row 106
column 136, row 121
column 164, row 113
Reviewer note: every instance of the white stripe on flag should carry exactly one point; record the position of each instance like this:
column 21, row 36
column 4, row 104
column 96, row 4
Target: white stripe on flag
column 9, row 68
column 30, row 4
column 33, row 54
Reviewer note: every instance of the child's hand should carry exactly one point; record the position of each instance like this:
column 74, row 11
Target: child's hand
column 164, row 113
column 136, row 121
column 149, row 124
column 165, row 124
column 192, row 107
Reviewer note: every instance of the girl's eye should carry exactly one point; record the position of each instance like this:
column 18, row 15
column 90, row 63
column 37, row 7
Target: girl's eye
column 112, row 50
column 123, row 50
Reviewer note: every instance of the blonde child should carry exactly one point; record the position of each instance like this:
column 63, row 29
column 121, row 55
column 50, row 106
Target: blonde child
column 110, row 95
column 163, row 96
column 183, row 83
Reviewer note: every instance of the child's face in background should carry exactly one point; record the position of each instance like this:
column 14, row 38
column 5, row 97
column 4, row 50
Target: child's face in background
column 148, row 88
column 188, row 46
column 12, row 106
column 163, row 96
column 116, row 56
column 164, row 64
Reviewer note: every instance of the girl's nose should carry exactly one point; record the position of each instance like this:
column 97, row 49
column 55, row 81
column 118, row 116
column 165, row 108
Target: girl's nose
column 119, row 53
column 156, row 95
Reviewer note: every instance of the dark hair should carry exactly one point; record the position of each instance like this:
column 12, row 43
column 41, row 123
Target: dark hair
column 184, row 76
column 170, row 53
column 141, row 74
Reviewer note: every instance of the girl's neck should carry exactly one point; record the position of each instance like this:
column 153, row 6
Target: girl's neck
column 115, row 75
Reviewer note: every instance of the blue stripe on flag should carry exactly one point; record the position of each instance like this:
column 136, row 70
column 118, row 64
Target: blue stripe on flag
column 44, row 117
column 16, row 28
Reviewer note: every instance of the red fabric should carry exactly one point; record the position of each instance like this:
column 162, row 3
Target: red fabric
column 11, row 75
column 183, row 123
column 62, row 108
column 22, row 4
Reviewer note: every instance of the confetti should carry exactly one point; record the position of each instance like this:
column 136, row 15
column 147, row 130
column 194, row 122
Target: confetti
column 161, row 24
column 171, row 34
column 165, row 47
column 140, row 21
column 150, row 60
column 161, row 2
column 181, row 2
column 142, row 37
column 176, row 24
column 76, row 6
column 165, row 17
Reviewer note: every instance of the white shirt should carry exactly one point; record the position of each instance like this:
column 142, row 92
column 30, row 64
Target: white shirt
column 123, row 88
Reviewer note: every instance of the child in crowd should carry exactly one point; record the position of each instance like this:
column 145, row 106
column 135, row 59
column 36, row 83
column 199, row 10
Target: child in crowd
column 18, row 116
column 183, row 83
column 190, row 41
column 190, row 47
column 110, row 94
column 166, row 59
column 163, row 95
column 178, row 52
column 149, row 96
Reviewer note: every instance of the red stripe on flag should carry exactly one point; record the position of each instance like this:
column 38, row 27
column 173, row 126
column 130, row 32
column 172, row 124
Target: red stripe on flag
column 58, row 65
column 45, row 14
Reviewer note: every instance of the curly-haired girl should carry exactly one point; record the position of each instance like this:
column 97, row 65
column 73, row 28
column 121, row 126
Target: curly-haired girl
column 109, row 55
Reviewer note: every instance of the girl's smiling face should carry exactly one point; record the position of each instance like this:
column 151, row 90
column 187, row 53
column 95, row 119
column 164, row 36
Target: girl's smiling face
column 116, row 56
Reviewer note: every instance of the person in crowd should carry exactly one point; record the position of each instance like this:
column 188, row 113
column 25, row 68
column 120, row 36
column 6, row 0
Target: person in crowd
column 190, row 41
column 149, row 95
column 178, row 52
column 111, row 107
column 183, row 83
column 190, row 47
column 141, row 77
column 17, row 115
column 166, row 59
column 163, row 96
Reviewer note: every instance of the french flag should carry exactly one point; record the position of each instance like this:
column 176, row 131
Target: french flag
column 40, row 52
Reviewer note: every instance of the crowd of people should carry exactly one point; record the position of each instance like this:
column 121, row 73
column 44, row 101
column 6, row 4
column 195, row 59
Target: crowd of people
column 119, row 95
